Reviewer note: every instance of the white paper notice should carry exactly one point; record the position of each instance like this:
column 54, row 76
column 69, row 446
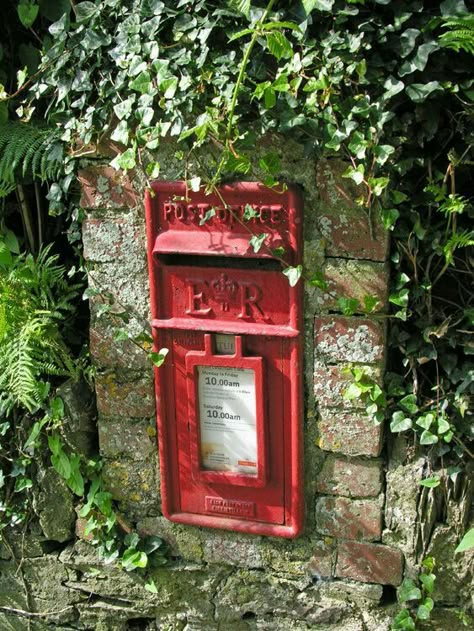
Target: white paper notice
column 228, row 419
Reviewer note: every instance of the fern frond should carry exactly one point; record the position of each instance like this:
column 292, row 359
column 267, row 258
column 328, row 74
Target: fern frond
column 27, row 148
column 458, row 240
column 460, row 35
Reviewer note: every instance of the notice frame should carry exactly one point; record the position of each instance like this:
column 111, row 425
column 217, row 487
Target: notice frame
column 201, row 365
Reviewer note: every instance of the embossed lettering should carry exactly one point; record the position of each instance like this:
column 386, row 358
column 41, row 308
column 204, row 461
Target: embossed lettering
column 249, row 301
column 197, row 298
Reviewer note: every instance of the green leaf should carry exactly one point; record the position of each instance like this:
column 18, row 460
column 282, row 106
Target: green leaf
column 392, row 86
column 407, row 41
column 11, row 241
column 142, row 83
column 293, row 274
column 62, row 464
column 158, row 358
column 125, row 160
column 243, row 6
column 357, row 174
column 22, row 483
column 75, row 481
column 320, row 5
column 400, row 422
column 133, row 559
column 400, row 298
column 257, row 241
column 27, row 14
column 279, row 45
column 57, row 408
column 408, row 403
column 150, row 586
column 427, row 438
column 419, row 61
column 443, row 426
column 54, row 444
column 428, row 581
column 419, row 92
column 426, row 420
column 279, row 25
column 403, row 621
column 209, row 215
column 85, row 11
column 467, row 542
column 453, row 7
column 408, row 591
column 348, row 306
column 424, row 610
column 124, row 108
column 432, row 482
column 352, row 392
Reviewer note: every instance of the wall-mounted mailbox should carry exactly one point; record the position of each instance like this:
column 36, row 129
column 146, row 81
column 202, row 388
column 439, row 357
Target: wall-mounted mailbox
column 229, row 395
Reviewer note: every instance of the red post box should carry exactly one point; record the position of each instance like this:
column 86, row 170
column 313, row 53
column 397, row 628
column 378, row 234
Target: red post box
column 229, row 395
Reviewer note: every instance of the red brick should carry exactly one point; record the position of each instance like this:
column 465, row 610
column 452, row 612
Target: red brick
column 331, row 382
column 346, row 226
column 340, row 339
column 350, row 477
column 117, row 397
column 357, row 280
column 104, row 187
column 349, row 519
column 369, row 563
column 348, row 433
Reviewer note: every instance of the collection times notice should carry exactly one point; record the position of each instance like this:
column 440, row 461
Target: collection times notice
column 228, row 423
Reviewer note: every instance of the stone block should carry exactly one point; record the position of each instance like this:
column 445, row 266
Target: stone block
column 54, row 506
column 116, row 239
column 104, row 187
column 135, row 439
column 134, row 485
column 369, row 563
column 124, row 398
column 357, row 280
column 348, row 518
column 233, row 549
column 341, row 339
column 350, row 477
column 79, row 428
column 107, row 352
column 350, row 230
column 331, row 382
column 352, row 434
column 321, row 564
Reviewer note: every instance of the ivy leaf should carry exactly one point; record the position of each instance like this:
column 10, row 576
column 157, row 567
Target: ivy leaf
column 133, row 559
column 257, row 241
column 409, row 591
column 293, row 274
column 249, row 213
column 125, row 160
column 85, row 10
column 348, row 306
column 150, row 586
column 357, row 175
column 124, row 108
column 400, row 422
column 467, row 542
column 408, row 403
column 120, row 133
column 428, row 581
column 142, row 83
column 158, row 358
column 392, row 86
column 419, row 92
column 208, row 216
column 407, row 41
column 453, row 7
column 432, row 482
column 320, row 5
column 427, row 438
column 419, row 61
column 424, row 610
column 279, row 45
column 27, row 14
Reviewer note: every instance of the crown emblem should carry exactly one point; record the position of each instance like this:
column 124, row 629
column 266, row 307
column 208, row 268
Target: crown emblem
column 224, row 290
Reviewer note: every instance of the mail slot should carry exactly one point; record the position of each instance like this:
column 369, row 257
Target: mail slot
column 229, row 395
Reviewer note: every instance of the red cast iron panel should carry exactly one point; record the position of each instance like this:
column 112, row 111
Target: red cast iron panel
column 229, row 409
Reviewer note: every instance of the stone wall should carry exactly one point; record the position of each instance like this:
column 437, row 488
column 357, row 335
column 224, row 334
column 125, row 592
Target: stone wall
column 362, row 495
